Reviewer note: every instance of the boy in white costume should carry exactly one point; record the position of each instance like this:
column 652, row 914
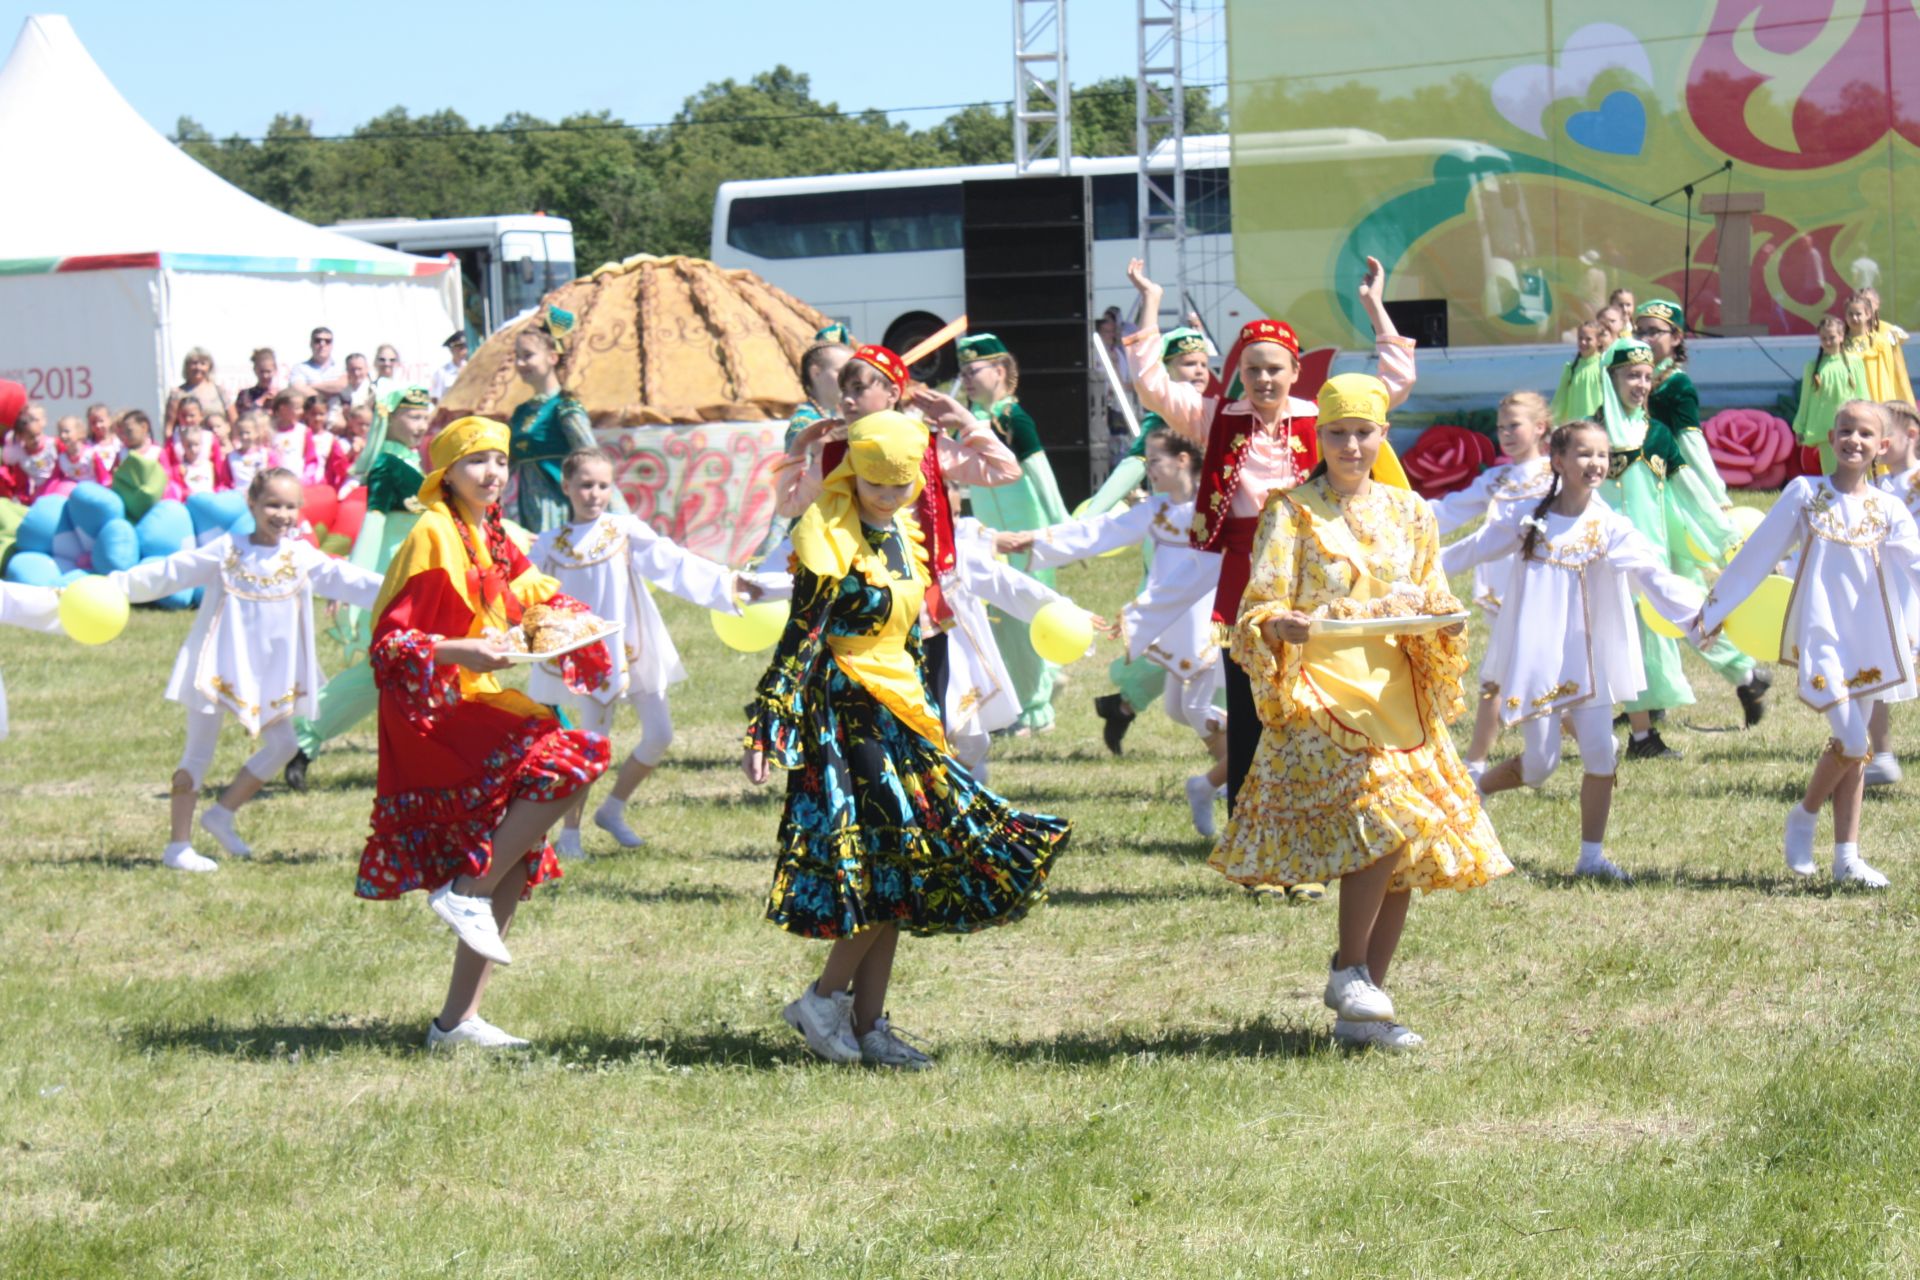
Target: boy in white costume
column 1170, row 623
column 251, row 652
column 1572, row 564
column 1852, row 621
column 605, row 560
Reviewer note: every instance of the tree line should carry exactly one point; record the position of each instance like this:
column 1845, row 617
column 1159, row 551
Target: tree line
column 627, row 189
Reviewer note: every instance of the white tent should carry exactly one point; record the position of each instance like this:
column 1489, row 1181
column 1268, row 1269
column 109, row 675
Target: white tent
column 119, row 252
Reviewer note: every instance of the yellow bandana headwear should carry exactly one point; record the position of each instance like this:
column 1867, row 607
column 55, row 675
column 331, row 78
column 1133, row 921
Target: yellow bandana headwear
column 465, row 436
column 1361, row 395
column 882, row 448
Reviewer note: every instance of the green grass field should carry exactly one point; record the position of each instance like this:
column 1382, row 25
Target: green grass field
column 1709, row 1074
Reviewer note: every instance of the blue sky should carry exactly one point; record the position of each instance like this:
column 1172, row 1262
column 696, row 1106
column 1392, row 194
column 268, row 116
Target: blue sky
column 232, row 66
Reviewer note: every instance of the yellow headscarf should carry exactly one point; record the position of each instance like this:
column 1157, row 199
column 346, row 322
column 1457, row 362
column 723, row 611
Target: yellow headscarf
column 1361, row 395
column 882, row 448
column 463, row 437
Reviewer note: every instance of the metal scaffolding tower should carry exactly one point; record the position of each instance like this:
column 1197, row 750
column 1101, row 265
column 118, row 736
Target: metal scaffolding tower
column 1160, row 122
column 1042, row 94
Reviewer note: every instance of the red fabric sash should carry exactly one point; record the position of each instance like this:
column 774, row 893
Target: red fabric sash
column 1235, row 544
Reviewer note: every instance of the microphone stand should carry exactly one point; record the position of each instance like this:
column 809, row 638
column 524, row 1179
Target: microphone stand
column 1686, row 263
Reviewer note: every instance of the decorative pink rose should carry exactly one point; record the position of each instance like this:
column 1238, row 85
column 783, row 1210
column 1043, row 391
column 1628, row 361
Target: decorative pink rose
column 1752, row 448
column 1446, row 458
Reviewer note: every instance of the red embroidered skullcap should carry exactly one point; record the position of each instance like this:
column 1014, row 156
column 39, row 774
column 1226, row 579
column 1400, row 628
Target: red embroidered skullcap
column 1268, row 331
column 890, row 365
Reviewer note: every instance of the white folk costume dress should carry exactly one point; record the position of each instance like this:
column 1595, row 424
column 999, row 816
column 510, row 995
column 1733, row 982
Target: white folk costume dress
column 1901, row 486
column 606, row 564
column 1170, row 623
column 981, row 698
column 1853, row 621
column 1568, row 638
column 251, row 652
column 30, row 609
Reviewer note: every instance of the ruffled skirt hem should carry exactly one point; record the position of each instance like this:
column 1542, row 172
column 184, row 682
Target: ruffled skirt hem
column 423, row 839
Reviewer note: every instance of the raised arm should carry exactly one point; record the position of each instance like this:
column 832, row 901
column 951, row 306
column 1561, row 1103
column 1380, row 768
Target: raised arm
column 1764, row 548
column 671, row 567
column 1180, row 403
column 1395, row 353
column 1495, row 540
column 1060, row 544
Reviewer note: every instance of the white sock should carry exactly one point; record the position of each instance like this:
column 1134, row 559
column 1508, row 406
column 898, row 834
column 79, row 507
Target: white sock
column 1592, row 850
column 1475, row 768
column 1845, row 853
column 1640, row 735
column 178, row 846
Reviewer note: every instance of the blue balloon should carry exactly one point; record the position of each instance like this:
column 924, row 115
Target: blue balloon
column 42, row 521
column 91, row 505
column 72, row 576
column 117, row 547
column 33, row 568
column 215, row 513
column 165, row 529
column 189, row 599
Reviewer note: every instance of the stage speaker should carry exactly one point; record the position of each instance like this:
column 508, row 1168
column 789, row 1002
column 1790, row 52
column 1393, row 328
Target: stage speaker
column 1422, row 319
column 1028, row 246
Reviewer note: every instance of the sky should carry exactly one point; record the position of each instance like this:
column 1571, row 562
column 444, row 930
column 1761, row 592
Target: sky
column 233, row 66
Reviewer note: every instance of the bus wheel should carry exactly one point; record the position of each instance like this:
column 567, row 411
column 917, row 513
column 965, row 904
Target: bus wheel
column 935, row 369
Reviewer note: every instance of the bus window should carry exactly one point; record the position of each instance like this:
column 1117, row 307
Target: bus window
column 474, row 292
column 1209, row 203
column 560, row 264
column 523, row 272
column 1116, row 206
column 818, row 225
column 913, row 219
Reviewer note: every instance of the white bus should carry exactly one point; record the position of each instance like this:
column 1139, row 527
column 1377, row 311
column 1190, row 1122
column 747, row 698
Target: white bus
column 881, row 253
column 507, row 262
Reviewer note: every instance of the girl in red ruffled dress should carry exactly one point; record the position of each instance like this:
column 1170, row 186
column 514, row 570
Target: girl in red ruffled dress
column 466, row 766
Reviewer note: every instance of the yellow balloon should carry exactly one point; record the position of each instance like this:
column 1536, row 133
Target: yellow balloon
column 1061, row 632
column 1655, row 623
column 755, row 627
column 93, row 610
column 1755, row 625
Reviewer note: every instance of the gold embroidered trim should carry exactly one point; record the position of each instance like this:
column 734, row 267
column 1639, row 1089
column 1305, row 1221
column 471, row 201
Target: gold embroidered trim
column 1553, row 695
column 1861, row 679
column 1825, row 521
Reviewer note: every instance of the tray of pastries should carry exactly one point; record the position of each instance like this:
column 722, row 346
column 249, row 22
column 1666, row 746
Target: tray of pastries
column 545, row 633
column 1401, row 613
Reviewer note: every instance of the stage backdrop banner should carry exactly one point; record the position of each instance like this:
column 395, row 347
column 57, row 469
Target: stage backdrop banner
column 1503, row 160
column 709, row 487
column 80, row 338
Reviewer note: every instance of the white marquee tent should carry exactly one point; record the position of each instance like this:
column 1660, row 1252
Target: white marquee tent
column 119, row 252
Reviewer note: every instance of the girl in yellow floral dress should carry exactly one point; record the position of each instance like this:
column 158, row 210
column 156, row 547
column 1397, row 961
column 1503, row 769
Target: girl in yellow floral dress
column 1356, row 778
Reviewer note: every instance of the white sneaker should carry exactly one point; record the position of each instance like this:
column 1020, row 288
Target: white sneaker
column 471, row 920
column 1883, row 770
column 1854, row 870
column 181, row 857
column 568, row 845
column 475, row 1032
column 611, row 817
column 827, row 1024
column 883, row 1048
column 1389, row 1037
column 1351, row 994
column 218, row 823
column 1200, row 804
column 1600, row 867
column 1801, row 826
column 1475, row 768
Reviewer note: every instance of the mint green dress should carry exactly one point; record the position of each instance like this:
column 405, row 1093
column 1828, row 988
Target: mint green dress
column 1031, row 502
column 1827, row 383
column 1583, row 389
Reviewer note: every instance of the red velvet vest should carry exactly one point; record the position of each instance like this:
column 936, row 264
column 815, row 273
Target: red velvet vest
column 1227, row 445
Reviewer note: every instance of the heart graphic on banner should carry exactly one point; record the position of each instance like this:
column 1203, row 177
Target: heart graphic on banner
column 1522, row 94
column 1618, row 127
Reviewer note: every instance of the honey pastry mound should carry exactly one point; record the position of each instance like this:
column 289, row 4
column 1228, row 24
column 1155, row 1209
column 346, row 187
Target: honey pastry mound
column 1401, row 604
column 544, row 629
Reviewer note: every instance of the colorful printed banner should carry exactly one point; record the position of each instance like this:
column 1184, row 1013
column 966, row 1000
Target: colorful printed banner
column 1503, row 158
column 708, row 487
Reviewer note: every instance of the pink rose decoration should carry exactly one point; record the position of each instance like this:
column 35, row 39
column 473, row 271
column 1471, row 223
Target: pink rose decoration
column 1752, row 448
column 1446, row 458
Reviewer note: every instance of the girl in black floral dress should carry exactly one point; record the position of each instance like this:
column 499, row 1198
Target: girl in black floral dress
column 882, row 830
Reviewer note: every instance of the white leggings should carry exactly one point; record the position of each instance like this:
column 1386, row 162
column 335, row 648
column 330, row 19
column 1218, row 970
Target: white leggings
column 1190, row 702
column 1849, row 723
column 277, row 746
column 656, row 722
column 1540, row 743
